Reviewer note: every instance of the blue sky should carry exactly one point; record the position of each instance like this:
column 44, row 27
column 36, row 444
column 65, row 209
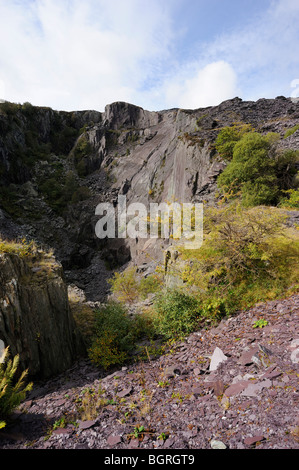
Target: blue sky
column 158, row 54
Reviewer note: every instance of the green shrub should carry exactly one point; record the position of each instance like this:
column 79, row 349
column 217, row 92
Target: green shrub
column 115, row 333
column 104, row 351
column 28, row 109
column 114, row 336
column 149, row 285
column 52, row 189
column 177, row 313
column 144, row 325
column 258, row 170
column 10, row 109
column 81, row 168
column 125, row 286
column 248, row 255
column 83, row 148
column 9, row 200
column 291, row 201
column 12, row 391
column 286, row 169
column 61, row 190
column 80, row 194
column 228, row 137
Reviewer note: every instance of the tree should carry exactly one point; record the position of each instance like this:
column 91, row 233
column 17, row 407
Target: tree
column 258, row 170
column 228, row 137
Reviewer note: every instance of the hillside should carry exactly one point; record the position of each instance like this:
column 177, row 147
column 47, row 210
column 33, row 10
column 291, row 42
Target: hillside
column 56, row 167
column 142, row 317
column 251, row 400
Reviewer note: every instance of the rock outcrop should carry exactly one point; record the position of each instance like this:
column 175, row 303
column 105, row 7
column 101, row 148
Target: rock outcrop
column 57, row 167
column 35, row 318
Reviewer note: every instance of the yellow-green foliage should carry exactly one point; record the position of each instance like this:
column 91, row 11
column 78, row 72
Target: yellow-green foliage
column 22, row 248
column 248, row 255
column 12, row 391
column 128, row 288
column 82, row 149
column 114, row 336
column 105, row 352
column 90, row 402
column 259, row 170
column 42, row 260
column 116, row 333
column 177, row 313
column 291, row 131
column 228, row 137
column 61, row 189
column 124, row 285
column 149, row 285
column 291, row 201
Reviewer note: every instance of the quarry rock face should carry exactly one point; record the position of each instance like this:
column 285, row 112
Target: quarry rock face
column 35, row 319
column 146, row 156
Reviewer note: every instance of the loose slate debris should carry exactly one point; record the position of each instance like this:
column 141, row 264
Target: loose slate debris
column 178, row 401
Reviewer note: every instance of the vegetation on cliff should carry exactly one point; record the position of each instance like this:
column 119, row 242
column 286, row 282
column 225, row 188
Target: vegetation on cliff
column 257, row 169
column 38, row 143
column 249, row 255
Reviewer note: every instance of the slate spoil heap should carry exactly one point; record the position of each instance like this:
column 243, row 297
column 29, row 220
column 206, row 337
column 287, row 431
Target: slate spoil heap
column 234, row 386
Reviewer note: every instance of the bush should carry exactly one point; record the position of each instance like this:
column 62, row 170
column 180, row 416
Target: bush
column 291, row 201
column 10, row 109
column 61, row 190
column 228, row 137
column 128, row 288
column 149, row 285
column 83, row 148
column 177, row 313
column 11, row 392
column 22, row 248
column 258, row 170
column 81, row 194
column 9, row 200
column 114, row 336
column 104, row 352
column 125, row 285
column 248, row 255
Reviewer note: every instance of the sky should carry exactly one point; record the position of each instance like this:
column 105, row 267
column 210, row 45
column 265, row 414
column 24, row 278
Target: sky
column 157, row 54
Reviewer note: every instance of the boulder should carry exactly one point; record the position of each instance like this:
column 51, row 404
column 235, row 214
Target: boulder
column 217, row 358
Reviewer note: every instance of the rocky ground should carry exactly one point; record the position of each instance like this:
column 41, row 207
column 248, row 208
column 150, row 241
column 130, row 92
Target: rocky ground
column 234, row 386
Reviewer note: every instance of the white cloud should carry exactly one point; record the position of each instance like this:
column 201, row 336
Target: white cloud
column 262, row 53
column 79, row 55
column 74, row 54
column 253, row 60
column 208, row 86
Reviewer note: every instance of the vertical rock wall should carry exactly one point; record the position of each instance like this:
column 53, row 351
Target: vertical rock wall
column 35, row 319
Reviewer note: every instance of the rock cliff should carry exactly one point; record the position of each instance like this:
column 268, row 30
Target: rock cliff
column 57, row 166
column 35, row 318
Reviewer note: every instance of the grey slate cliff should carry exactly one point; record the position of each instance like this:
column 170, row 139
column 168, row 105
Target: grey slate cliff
column 145, row 155
column 35, row 318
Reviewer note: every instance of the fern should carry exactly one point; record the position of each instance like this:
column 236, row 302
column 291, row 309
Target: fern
column 11, row 392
